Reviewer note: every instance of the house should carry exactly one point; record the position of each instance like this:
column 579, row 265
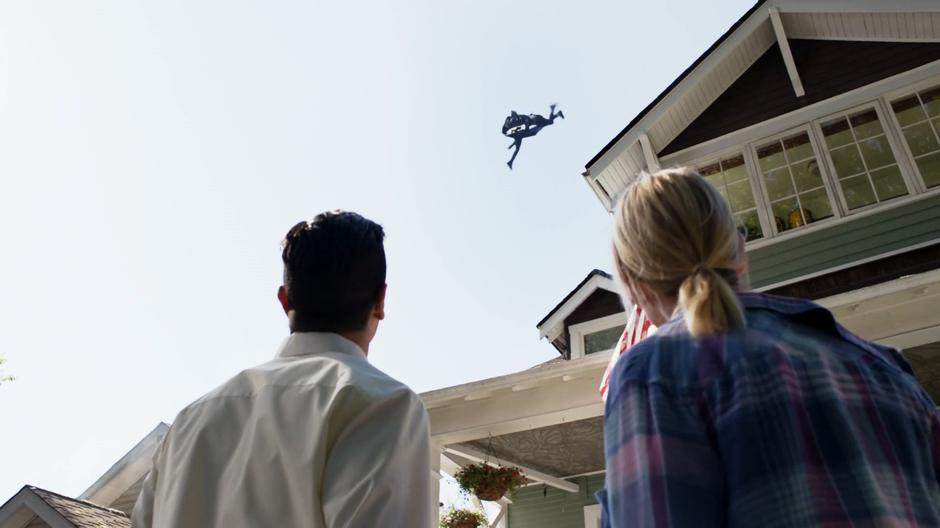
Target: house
column 34, row 507
column 819, row 121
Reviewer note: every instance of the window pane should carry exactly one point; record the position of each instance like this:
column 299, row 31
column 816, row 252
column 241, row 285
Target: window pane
column 778, row 184
column 866, row 124
column 858, row 191
column 815, row 205
column 712, row 173
column 837, row 133
column 602, row 340
column 730, row 177
column 920, row 139
column 930, row 169
column 751, row 223
column 782, row 210
column 806, row 175
column 888, row 183
column 798, row 147
column 931, row 99
column 770, row 157
column 740, row 195
column 908, row 111
column 734, row 169
column 877, row 152
column 847, row 161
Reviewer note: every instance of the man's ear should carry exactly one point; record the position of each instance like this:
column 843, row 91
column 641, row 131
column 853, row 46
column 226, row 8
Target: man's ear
column 378, row 309
column 282, row 297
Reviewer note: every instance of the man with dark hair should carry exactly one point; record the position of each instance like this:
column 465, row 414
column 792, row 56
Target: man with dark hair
column 316, row 437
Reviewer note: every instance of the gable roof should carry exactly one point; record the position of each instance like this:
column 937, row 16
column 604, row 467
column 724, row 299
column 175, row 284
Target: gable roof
column 699, row 85
column 83, row 514
column 594, row 280
column 119, row 486
column 58, row 511
column 685, row 73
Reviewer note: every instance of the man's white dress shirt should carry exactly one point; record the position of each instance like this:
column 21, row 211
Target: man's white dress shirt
column 316, row 437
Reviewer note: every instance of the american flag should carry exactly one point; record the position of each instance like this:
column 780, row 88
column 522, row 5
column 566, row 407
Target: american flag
column 638, row 327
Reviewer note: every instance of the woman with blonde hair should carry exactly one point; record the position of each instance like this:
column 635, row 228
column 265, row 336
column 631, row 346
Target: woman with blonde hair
column 747, row 409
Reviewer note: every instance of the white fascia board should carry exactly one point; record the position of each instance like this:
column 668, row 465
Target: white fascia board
column 920, row 281
column 457, row 393
column 551, row 325
column 127, row 471
column 855, row 6
column 694, row 77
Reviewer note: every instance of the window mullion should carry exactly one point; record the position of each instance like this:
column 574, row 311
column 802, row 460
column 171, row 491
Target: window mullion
column 757, row 188
column 827, row 171
column 905, row 159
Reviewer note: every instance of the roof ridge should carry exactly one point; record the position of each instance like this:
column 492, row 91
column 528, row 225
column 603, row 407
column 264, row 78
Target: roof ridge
column 66, row 497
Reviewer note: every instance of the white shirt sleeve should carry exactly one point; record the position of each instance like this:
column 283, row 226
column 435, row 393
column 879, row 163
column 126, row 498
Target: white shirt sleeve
column 378, row 472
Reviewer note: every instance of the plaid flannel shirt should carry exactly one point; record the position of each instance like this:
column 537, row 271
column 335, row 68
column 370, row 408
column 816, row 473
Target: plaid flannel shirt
column 789, row 422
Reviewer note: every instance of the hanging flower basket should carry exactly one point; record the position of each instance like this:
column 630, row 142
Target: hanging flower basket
column 463, row 519
column 487, row 482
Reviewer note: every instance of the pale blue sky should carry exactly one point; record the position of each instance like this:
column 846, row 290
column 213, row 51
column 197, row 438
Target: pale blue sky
column 153, row 154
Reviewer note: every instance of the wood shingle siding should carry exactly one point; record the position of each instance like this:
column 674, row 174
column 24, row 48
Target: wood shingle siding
column 850, row 241
column 827, row 68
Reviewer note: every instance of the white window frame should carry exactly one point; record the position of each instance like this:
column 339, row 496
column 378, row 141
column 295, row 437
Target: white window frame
column 578, row 331
column 886, row 100
column 895, row 150
column 752, row 177
column 592, row 516
column 883, row 91
column 827, row 182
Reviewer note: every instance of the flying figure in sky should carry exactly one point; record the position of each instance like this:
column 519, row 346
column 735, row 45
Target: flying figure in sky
column 519, row 127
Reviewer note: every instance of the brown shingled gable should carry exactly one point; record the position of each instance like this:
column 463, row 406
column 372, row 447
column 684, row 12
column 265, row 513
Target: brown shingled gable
column 83, row 514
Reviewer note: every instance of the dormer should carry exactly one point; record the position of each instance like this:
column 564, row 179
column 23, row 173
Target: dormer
column 589, row 320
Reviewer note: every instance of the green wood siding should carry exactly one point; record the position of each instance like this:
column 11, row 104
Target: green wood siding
column 845, row 242
column 555, row 508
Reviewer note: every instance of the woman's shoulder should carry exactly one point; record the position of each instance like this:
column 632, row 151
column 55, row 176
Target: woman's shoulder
column 678, row 359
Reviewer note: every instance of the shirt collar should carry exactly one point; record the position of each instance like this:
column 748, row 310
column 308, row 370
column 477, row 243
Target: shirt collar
column 307, row 343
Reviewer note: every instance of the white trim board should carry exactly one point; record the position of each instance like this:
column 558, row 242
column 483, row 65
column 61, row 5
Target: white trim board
column 578, row 331
column 555, row 325
column 133, row 466
column 592, row 516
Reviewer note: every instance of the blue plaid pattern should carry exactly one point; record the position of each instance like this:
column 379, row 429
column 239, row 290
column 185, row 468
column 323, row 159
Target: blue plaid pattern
column 789, row 422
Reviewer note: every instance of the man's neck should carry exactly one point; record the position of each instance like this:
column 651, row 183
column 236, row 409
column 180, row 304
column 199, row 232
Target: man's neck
column 360, row 338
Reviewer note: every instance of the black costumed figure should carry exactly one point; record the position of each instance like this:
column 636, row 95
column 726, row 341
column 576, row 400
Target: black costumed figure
column 519, row 127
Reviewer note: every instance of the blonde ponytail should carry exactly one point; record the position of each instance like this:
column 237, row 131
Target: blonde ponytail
column 676, row 234
column 709, row 303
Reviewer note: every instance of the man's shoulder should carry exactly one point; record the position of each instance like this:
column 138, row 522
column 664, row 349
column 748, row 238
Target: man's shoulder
column 324, row 373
